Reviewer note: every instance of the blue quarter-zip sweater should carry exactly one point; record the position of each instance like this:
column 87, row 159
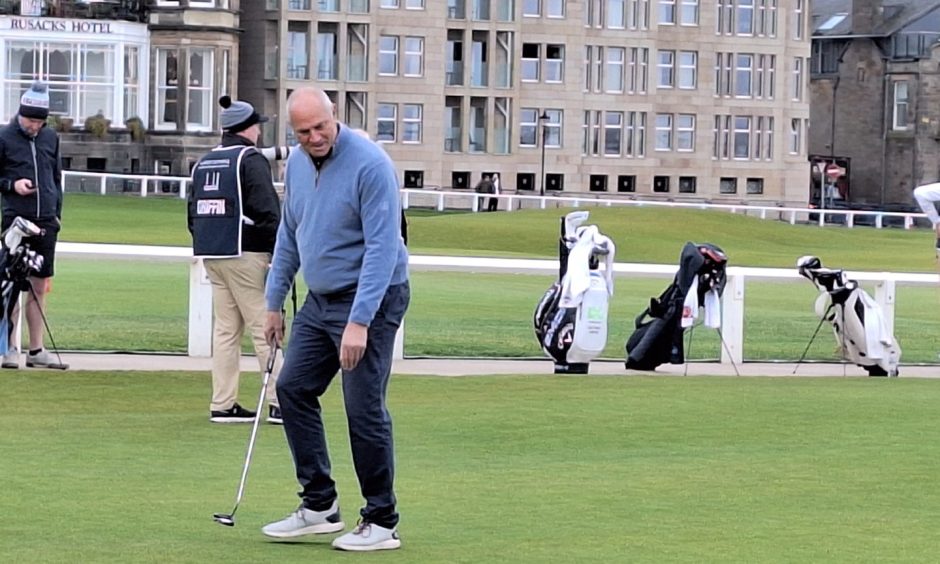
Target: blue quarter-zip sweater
column 340, row 226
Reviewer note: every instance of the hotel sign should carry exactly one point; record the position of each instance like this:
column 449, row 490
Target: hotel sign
column 59, row 25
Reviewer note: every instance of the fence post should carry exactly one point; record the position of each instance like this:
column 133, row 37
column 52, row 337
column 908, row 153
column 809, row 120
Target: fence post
column 884, row 295
column 732, row 320
column 104, row 185
column 440, row 202
column 200, row 311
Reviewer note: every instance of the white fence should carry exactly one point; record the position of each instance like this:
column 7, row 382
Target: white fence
column 175, row 186
column 732, row 303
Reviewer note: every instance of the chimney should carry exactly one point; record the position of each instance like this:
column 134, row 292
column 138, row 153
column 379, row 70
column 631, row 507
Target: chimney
column 866, row 16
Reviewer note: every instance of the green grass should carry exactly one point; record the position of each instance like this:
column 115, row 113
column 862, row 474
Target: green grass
column 124, row 468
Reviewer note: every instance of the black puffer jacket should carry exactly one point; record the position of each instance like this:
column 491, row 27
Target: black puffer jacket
column 259, row 199
column 36, row 159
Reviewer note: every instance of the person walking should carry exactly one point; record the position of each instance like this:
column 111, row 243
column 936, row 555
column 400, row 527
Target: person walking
column 483, row 187
column 341, row 229
column 31, row 184
column 927, row 196
column 233, row 215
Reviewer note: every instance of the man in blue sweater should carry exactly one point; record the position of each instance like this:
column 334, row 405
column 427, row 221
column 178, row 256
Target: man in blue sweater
column 340, row 226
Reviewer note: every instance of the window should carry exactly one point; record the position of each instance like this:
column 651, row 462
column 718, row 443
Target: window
column 799, row 10
column 414, row 179
column 460, row 179
column 666, row 69
column 132, row 81
column 414, row 4
column 555, row 8
column 327, row 41
column 616, row 14
column 389, row 3
column 688, row 12
column 528, row 127
column 687, row 184
column 638, row 14
column 531, row 8
column 763, row 138
column 386, row 122
column 614, row 70
column 167, row 89
column 743, row 72
column 742, row 137
column 554, row 181
column 598, row 183
column 613, row 134
column 660, row 184
column 796, row 136
column 724, row 17
column 200, row 88
column 553, row 128
column 745, row 17
column 591, row 133
column 637, row 71
column 798, row 79
column 411, row 123
column 688, row 70
column 663, row 132
column 825, row 56
column 667, row 12
column 685, row 132
column 356, row 110
column 298, row 48
column 388, row 55
column 765, row 79
column 525, row 181
column 626, row 183
column 901, row 103
column 530, row 61
column 767, row 18
column 414, row 56
column 554, row 63
column 723, row 74
column 755, row 186
column 635, row 136
column 722, row 137
column 728, row 185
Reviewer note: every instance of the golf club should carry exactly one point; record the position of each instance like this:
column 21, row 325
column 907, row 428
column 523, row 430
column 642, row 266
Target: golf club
column 228, row 519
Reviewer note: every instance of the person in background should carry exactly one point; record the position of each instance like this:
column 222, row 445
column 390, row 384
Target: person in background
column 234, row 212
column 494, row 202
column 927, row 197
column 484, row 186
column 31, row 184
column 341, row 228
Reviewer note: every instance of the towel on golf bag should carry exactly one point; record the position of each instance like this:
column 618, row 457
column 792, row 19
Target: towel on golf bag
column 17, row 263
column 858, row 322
column 570, row 319
column 658, row 330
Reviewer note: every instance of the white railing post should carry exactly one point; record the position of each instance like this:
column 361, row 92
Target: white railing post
column 884, row 295
column 404, row 199
column 440, row 202
column 793, row 217
column 143, row 187
column 850, row 220
column 879, row 219
column 104, row 185
column 509, row 203
column 732, row 320
column 200, row 311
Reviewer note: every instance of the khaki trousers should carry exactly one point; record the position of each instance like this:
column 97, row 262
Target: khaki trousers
column 238, row 304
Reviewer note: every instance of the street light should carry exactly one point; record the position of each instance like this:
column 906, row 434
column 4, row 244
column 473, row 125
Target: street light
column 543, row 120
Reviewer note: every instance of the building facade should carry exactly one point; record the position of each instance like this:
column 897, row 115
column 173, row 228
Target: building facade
column 875, row 95
column 133, row 84
column 679, row 99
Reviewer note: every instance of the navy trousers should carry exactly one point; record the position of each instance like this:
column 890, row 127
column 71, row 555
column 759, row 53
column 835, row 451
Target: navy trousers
column 311, row 362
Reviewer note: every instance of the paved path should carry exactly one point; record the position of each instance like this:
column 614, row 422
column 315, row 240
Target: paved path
column 470, row 367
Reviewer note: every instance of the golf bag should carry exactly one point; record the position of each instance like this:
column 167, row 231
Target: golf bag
column 857, row 321
column 658, row 331
column 17, row 263
column 571, row 318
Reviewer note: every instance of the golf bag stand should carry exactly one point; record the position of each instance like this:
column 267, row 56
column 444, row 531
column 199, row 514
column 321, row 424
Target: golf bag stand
column 17, row 263
column 571, row 318
column 858, row 323
column 658, row 330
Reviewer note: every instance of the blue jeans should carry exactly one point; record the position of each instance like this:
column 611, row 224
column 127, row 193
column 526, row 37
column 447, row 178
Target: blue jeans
column 311, row 362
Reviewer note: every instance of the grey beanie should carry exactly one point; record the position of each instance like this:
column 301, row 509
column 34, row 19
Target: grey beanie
column 238, row 116
column 35, row 101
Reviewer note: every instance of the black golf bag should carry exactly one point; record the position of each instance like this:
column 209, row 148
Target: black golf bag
column 857, row 320
column 700, row 281
column 17, row 263
column 571, row 318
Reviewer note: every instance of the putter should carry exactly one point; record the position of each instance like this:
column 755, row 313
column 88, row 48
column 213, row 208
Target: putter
column 228, row 519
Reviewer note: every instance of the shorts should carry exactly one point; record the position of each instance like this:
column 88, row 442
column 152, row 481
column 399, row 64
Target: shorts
column 42, row 244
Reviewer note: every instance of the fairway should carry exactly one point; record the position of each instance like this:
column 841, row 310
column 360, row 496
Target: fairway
column 125, row 468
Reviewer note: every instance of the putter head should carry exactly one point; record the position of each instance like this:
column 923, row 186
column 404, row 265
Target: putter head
column 224, row 519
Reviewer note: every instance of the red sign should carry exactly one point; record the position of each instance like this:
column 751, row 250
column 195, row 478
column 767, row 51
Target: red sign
column 834, row 171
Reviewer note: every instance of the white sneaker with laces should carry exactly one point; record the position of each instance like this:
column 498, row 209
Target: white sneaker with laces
column 306, row 522
column 367, row 537
column 12, row 358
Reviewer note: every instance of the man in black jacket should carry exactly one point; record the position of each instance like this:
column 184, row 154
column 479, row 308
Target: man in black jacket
column 234, row 213
column 31, row 184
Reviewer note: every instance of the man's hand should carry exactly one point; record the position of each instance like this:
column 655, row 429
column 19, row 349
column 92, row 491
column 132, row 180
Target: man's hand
column 23, row 187
column 353, row 346
column 274, row 328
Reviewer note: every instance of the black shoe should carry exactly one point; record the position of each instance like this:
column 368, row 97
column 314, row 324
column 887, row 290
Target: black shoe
column 236, row 414
column 274, row 415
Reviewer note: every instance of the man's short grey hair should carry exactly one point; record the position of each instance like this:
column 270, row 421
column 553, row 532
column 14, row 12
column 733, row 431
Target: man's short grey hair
column 317, row 93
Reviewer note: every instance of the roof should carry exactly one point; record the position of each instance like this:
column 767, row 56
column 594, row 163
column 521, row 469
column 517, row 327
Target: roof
column 834, row 17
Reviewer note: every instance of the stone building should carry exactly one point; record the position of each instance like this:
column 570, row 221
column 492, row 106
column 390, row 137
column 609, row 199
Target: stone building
column 679, row 99
column 875, row 96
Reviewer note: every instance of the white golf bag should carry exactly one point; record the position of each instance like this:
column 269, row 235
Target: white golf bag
column 17, row 263
column 862, row 336
column 571, row 318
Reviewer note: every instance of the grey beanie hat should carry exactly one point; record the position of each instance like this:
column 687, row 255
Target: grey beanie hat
column 35, row 102
column 238, row 116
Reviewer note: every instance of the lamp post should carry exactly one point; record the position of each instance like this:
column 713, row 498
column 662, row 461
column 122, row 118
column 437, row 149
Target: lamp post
column 543, row 119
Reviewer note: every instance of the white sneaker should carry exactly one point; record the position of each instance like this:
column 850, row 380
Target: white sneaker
column 367, row 537
column 306, row 522
column 11, row 359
